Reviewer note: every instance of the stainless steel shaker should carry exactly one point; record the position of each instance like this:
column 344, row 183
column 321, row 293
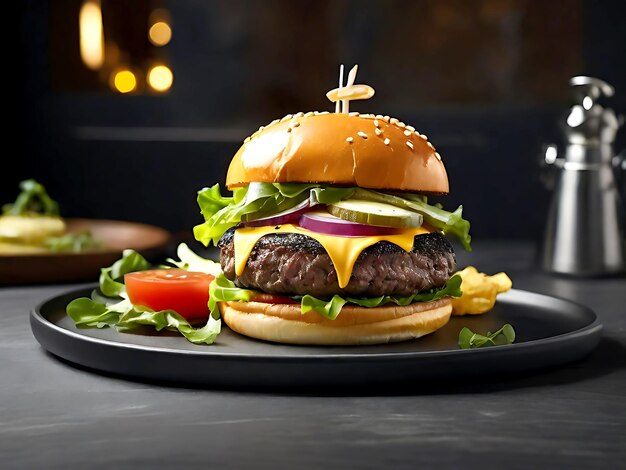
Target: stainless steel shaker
column 585, row 228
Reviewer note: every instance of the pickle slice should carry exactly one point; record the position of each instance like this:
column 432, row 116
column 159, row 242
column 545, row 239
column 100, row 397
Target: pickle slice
column 375, row 213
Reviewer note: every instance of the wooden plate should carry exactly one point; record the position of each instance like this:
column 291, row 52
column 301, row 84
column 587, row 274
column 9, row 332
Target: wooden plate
column 36, row 268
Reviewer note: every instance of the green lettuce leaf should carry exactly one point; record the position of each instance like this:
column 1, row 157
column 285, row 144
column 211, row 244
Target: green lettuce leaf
column 331, row 308
column 110, row 307
column 190, row 261
column 130, row 261
column 124, row 316
column 224, row 290
column 258, row 200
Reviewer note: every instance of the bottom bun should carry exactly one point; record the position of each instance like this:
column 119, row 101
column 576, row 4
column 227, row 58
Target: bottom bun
column 285, row 323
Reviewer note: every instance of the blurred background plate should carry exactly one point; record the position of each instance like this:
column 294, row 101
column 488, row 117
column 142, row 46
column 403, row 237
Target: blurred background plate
column 116, row 236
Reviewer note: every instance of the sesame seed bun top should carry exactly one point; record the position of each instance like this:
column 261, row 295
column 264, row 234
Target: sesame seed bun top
column 364, row 150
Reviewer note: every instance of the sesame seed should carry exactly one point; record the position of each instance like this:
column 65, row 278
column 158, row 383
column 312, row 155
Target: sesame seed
column 431, row 145
column 316, row 113
column 378, row 131
column 246, row 140
column 310, row 113
column 438, row 156
column 401, row 125
column 324, row 112
column 386, row 118
column 386, row 141
column 298, row 114
column 410, row 144
column 369, row 116
column 423, row 136
column 394, row 121
column 349, row 140
column 376, row 122
column 296, row 124
column 286, row 118
column 362, row 134
column 274, row 122
column 411, row 128
column 353, row 113
column 379, row 116
column 261, row 128
column 407, row 133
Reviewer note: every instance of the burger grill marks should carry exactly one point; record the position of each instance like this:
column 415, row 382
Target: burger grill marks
column 294, row 264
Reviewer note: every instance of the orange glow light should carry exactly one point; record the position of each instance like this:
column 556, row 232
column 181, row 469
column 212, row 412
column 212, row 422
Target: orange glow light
column 160, row 78
column 91, row 36
column 124, row 81
column 160, row 33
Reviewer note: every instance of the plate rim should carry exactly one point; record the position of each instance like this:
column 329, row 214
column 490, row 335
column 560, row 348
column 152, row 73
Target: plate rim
column 594, row 327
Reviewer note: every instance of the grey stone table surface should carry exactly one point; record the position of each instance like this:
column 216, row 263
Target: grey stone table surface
column 53, row 415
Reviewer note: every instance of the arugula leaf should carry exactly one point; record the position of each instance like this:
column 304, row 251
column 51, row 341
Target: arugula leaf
column 131, row 261
column 469, row 340
column 33, row 199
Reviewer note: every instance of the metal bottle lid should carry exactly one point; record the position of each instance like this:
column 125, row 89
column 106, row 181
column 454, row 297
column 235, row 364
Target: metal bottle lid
column 588, row 122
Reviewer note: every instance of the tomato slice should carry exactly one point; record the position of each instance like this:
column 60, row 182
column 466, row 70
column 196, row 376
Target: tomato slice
column 186, row 292
column 272, row 299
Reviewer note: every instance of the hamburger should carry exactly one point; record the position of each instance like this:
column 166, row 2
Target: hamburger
column 329, row 238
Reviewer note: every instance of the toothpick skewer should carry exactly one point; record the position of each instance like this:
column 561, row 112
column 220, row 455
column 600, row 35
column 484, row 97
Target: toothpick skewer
column 351, row 79
column 338, row 103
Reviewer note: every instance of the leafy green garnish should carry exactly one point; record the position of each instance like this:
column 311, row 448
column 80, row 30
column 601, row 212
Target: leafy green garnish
column 124, row 316
column 33, row 199
column 110, row 306
column 224, row 290
column 331, row 308
column 469, row 340
column 192, row 262
column 73, row 242
column 258, row 200
column 110, row 278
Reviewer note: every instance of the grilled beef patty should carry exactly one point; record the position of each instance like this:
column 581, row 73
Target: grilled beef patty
column 294, row 264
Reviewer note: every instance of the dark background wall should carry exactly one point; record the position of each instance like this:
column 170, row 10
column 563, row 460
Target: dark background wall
column 486, row 80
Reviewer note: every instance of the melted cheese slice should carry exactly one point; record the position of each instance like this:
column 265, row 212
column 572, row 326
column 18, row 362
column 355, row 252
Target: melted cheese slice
column 343, row 251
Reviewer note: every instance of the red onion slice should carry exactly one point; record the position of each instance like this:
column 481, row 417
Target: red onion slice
column 284, row 217
column 323, row 222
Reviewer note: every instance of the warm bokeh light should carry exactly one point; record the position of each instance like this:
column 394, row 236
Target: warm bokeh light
column 124, row 81
column 160, row 33
column 91, row 34
column 160, row 78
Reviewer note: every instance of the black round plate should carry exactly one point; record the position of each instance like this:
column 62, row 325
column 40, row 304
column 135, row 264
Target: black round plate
column 550, row 332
